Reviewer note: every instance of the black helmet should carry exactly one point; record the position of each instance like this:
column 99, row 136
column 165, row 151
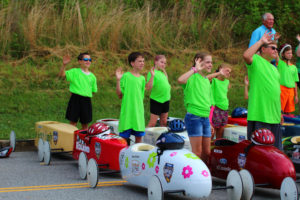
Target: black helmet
column 169, row 140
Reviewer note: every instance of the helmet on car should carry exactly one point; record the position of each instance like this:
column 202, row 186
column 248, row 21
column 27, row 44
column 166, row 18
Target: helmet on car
column 98, row 128
column 239, row 112
column 176, row 125
column 169, row 140
column 263, row 137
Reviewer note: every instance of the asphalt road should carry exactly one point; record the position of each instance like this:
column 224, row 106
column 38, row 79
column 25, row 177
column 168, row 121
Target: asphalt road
column 23, row 177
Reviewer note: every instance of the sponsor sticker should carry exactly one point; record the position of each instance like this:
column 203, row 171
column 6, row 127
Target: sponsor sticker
column 242, row 160
column 136, row 170
column 98, row 149
column 218, row 151
column 168, row 171
column 223, row 161
column 55, row 137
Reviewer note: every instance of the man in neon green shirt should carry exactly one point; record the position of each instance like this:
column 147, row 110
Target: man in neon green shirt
column 264, row 110
column 82, row 85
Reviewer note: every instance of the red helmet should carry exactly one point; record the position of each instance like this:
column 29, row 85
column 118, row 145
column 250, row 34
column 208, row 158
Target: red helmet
column 263, row 136
column 97, row 128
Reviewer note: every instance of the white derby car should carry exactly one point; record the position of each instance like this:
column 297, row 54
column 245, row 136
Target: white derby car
column 174, row 171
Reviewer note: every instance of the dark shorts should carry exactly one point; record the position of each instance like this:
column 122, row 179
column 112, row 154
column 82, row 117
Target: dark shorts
column 274, row 128
column 197, row 126
column 219, row 117
column 126, row 134
column 79, row 107
column 157, row 108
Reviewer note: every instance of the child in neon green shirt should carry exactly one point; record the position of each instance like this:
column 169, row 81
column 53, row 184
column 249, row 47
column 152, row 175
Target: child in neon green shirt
column 160, row 92
column 83, row 84
column 288, row 79
column 197, row 100
column 220, row 86
column 131, row 88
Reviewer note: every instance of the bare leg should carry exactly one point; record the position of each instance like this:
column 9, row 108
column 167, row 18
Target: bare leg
column 196, row 143
column 163, row 119
column 153, row 120
column 219, row 132
column 138, row 139
column 73, row 123
column 205, row 149
column 213, row 130
column 84, row 126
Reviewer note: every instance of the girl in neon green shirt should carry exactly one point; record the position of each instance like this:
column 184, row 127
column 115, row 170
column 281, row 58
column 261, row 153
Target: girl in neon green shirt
column 197, row 100
column 160, row 92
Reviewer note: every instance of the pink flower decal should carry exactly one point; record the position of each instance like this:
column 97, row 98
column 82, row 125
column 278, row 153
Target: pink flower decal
column 173, row 154
column 205, row 173
column 157, row 169
column 187, row 172
column 143, row 166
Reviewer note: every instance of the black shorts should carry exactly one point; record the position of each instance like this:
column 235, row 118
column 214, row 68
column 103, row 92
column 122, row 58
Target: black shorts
column 274, row 128
column 79, row 107
column 157, row 108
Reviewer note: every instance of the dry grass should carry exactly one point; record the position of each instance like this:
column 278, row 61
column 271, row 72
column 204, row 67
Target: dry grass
column 107, row 26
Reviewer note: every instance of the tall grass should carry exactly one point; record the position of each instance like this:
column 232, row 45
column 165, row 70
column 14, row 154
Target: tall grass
column 45, row 28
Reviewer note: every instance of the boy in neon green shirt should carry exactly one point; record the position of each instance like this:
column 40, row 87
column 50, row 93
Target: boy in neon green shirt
column 83, row 84
column 264, row 110
column 131, row 88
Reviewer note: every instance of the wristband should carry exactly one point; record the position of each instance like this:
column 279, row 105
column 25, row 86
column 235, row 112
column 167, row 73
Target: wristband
column 194, row 69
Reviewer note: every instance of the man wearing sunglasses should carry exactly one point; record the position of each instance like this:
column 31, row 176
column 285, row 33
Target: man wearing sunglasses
column 268, row 22
column 264, row 109
column 83, row 84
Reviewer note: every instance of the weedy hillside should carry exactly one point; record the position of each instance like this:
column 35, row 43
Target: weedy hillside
column 35, row 35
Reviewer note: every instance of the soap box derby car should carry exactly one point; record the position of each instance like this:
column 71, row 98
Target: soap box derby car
column 268, row 165
column 99, row 145
column 152, row 133
column 53, row 137
column 56, row 137
column 168, row 168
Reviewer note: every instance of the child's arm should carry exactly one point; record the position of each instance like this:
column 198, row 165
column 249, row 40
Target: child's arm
column 298, row 50
column 246, row 81
column 213, row 75
column 184, row 77
column 296, row 94
column 62, row 71
column 149, row 85
column 248, row 54
column 119, row 74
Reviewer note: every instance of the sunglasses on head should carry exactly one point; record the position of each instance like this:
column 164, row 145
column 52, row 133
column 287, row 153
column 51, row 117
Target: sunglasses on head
column 87, row 59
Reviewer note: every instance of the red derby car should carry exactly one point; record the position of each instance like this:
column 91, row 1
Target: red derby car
column 100, row 146
column 268, row 165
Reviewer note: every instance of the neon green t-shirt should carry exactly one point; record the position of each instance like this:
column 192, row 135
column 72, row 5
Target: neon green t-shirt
column 288, row 74
column 197, row 95
column 161, row 90
column 219, row 92
column 298, row 61
column 132, row 108
column 264, row 94
column 81, row 83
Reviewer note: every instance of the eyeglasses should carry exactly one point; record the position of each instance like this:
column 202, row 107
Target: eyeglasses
column 273, row 48
column 87, row 59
